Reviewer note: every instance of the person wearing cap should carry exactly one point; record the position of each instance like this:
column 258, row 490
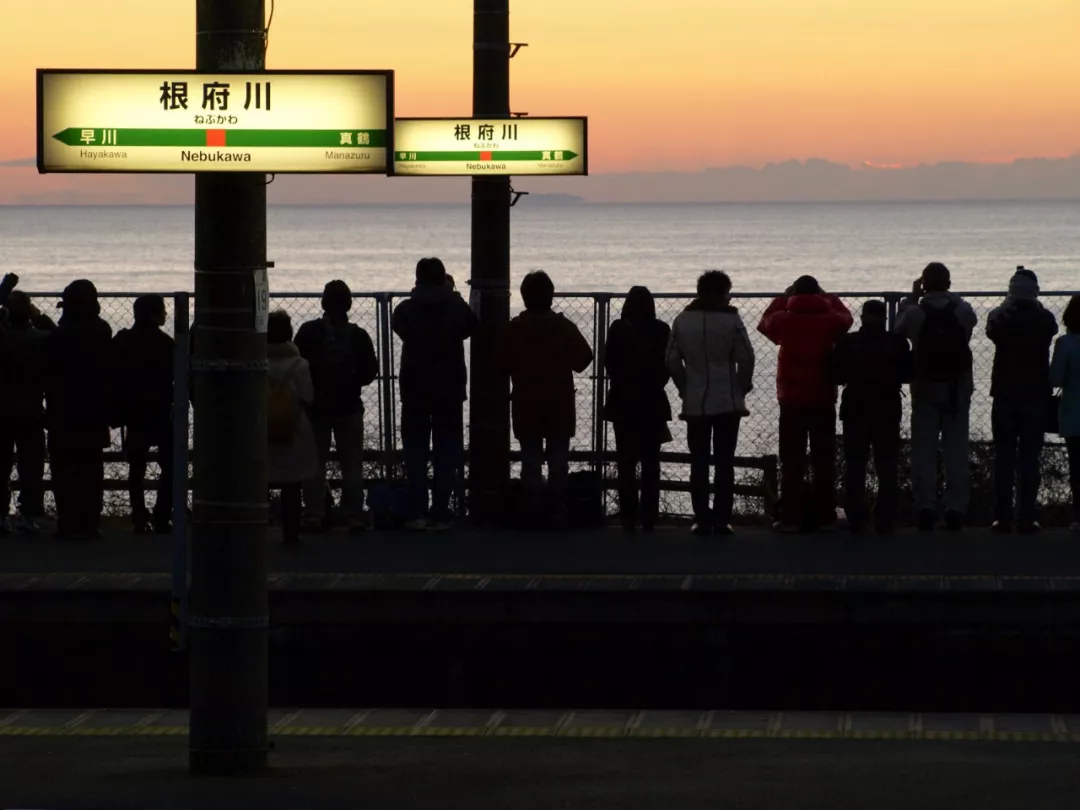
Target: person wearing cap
column 805, row 323
column 1022, row 331
column 342, row 361
column 143, row 366
column 433, row 325
column 872, row 364
column 22, row 415
column 78, row 376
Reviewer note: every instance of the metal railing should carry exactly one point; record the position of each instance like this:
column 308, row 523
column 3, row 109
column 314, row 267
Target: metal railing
column 592, row 312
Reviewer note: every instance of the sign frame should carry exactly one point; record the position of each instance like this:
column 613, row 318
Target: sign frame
column 40, row 114
column 391, row 171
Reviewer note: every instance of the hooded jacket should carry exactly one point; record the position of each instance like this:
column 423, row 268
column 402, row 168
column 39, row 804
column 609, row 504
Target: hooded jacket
column 143, row 363
column 433, row 325
column 806, row 328
column 297, row 460
column 541, row 351
column 22, row 371
column 1022, row 331
column 78, row 372
column 711, row 360
column 909, row 323
column 873, row 365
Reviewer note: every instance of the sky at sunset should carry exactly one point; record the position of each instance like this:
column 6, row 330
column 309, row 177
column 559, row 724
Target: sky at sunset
column 679, row 85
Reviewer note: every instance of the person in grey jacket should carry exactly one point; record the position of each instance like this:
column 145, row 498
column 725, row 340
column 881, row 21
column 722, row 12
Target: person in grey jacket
column 712, row 364
column 1065, row 374
column 939, row 325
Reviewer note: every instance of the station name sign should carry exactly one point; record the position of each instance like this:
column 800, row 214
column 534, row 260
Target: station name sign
column 425, row 147
column 273, row 122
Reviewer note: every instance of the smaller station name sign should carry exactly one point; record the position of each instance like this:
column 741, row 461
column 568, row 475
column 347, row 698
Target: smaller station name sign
column 526, row 146
column 320, row 122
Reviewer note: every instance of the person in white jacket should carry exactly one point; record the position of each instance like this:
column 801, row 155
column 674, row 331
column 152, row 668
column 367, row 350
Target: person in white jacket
column 712, row 364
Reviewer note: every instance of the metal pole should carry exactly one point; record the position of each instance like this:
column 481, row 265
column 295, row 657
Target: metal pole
column 386, row 386
column 489, row 412
column 179, row 607
column 227, row 628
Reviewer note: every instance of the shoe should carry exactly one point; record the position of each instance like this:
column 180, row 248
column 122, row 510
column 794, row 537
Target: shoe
column 1001, row 527
column 141, row 526
column 648, row 528
column 724, row 531
column 1028, row 527
column 313, row 524
column 926, row 520
column 418, row 525
column 829, row 527
column 27, row 525
column 440, row 525
column 1075, row 526
column 954, row 521
column 358, row 526
column 701, row 528
column 786, row 528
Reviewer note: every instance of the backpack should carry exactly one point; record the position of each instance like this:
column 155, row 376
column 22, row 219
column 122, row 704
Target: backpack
column 282, row 416
column 942, row 353
column 336, row 368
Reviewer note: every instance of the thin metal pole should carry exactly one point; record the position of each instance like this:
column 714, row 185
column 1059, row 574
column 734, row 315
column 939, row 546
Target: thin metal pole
column 179, row 606
column 227, row 627
column 386, row 386
column 489, row 411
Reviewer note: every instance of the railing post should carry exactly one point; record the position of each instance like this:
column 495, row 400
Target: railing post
column 181, row 398
column 600, row 313
column 890, row 299
column 386, row 385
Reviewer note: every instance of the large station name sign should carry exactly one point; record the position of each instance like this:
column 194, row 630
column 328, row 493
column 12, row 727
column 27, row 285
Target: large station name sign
column 478, row 147
column 319, row 122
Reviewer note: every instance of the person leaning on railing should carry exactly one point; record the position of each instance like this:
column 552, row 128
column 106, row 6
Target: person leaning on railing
column 1065, row 374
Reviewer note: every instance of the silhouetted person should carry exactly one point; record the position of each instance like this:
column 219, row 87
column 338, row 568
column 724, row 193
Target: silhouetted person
column 873, row 365
column 806, row 323
column 433, row 325
column 637, row 404
column 292, row 458
column 342, row 360
column 1022, row 331
column 22, row 412
column 143, row 366
column 79, row 373
column 939, row 325
column 1065, row 374
column 712, row 363
column 541, row 350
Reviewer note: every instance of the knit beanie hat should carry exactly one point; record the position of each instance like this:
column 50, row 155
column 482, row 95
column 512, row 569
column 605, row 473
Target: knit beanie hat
column 1024, row 286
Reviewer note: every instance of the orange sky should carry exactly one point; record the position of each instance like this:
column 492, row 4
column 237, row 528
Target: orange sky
column 680, row 84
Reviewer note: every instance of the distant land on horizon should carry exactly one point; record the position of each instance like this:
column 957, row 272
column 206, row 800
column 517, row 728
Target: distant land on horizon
column 814, row 180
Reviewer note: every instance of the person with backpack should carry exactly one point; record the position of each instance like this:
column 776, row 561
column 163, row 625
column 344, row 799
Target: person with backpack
column 292, row 457
column 1065, row 374
column 711, row 361
column 433, row 325
column 873, row 365
column 541, row 350
column 143, row 394
column 805, row 323
column 637, row 404
column 939, row 325
column 342, row 361
column 22, row 413
column 1022, row 331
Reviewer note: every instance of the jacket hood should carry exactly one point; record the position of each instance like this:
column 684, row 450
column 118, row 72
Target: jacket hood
column 431, row 296
column 808, row 304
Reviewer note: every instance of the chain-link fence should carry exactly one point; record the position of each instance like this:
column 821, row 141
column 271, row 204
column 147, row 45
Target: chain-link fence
column 592, row 446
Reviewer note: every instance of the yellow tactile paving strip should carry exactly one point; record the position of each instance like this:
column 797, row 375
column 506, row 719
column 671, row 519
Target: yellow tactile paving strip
column 645, row 725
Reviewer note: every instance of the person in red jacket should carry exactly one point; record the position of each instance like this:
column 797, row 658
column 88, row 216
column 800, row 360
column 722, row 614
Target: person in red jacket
column 806, row 323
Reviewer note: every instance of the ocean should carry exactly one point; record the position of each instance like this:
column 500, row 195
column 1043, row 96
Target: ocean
column 848, row 247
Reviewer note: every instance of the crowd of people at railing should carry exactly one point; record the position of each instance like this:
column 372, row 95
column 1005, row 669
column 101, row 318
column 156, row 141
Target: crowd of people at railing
column 64, row 385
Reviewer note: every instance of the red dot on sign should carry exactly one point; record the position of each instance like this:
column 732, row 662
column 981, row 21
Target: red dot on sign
column 215, row 137
column 485, row 155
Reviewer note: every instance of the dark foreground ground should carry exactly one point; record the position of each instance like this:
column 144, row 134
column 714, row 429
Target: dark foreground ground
column 522, row 774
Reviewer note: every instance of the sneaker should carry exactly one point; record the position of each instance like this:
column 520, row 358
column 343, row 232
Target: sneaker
column 954, row 521
column 358, row 526
column 1029, row 527
column 1001, row 527
column 724, row 531
column 418, row 525
column 440, row 525
column 786, row 528
column 27, row 525
column 926, row 520
column 701, row 528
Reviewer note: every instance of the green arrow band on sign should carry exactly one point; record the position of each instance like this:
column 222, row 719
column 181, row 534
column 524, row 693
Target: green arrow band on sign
column 209, row 137
column 416, row 157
